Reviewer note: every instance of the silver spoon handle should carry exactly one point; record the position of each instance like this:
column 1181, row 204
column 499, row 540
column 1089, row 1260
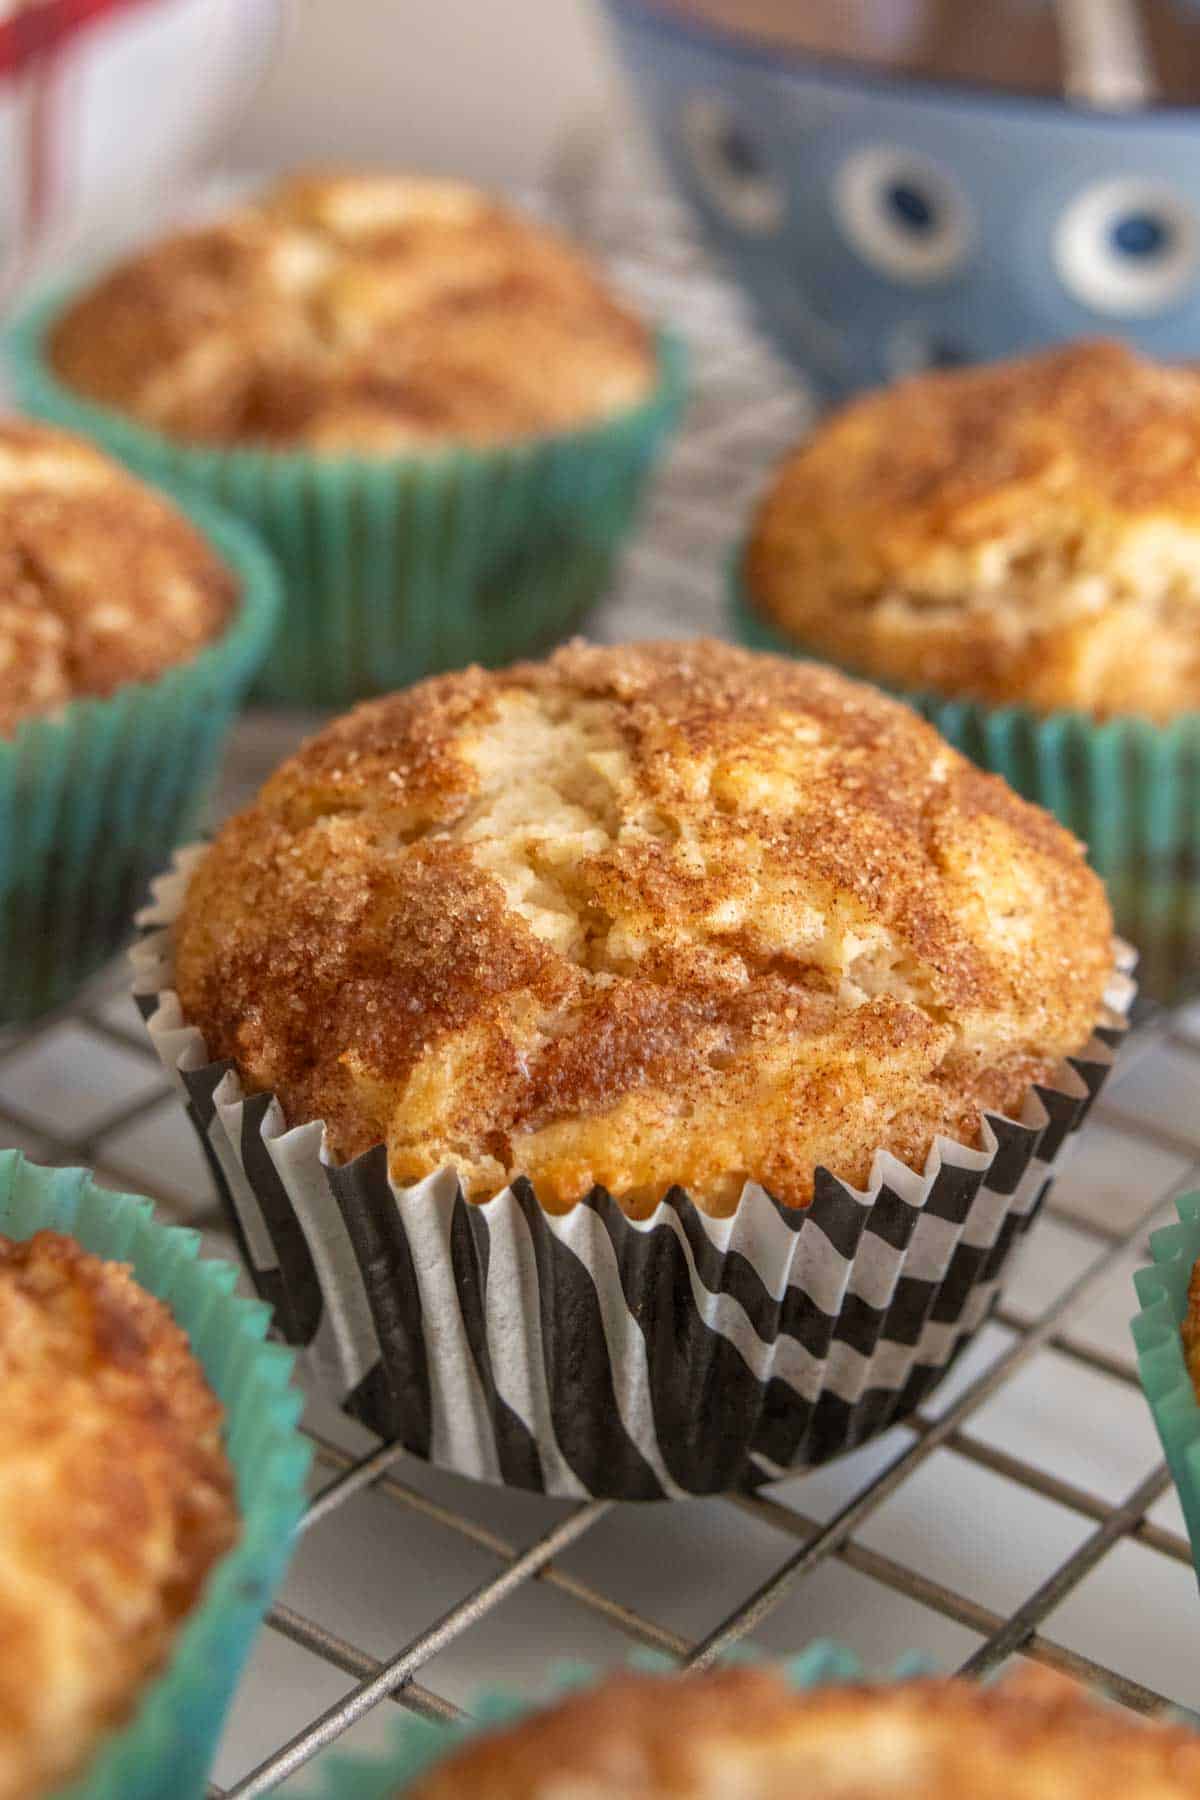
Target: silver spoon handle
column 1105, row 57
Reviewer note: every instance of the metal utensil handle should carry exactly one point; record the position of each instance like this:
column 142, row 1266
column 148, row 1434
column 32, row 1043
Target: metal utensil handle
column 1106, row 59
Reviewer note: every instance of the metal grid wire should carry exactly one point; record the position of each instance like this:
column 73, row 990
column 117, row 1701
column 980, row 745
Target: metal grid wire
column 746, row 410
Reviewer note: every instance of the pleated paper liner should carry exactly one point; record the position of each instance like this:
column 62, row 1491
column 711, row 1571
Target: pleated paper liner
column 94, row 798
column 1163, row 1289
column 397, row 567
column 588, row 1353
column 1129, row 788
column 166, row 1748
column 418, row 1745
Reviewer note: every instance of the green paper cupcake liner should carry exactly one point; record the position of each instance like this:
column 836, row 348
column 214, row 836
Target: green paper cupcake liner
column 93, row 797
column 1162, row 1289
column 397, row 567
column 166, row 1749
column 418, row 1744
column 1128, row 788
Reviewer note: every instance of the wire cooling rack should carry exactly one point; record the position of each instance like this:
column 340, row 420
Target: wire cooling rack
column 1025, row 1512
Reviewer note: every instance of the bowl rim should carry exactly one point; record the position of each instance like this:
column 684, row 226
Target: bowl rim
column 660, row 19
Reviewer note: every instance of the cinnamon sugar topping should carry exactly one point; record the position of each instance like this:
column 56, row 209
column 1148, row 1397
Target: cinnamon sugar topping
column 746, row 1732
column 116, row 1499
column 665, row 913
column 357, row 312
column 1025, row 531
column 102, row 582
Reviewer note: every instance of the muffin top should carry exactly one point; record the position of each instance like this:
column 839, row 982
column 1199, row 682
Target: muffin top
column 102, row 581
column 669, row 913
column 745, row 1731
column 361, row 313
column 116, row 1499
column 1022, row 532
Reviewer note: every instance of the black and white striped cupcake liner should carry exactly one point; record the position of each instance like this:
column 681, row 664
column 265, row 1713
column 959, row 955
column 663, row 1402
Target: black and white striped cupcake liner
column 591, row 1354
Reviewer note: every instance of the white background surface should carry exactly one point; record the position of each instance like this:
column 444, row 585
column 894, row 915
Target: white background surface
column 491, row 89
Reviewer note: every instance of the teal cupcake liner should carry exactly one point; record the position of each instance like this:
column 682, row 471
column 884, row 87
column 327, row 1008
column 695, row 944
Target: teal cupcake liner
column 166, row 1749
column 1128, row 788
column 417, row 1744
column 93, row 797
column 397, row 567
column 1162, row 1289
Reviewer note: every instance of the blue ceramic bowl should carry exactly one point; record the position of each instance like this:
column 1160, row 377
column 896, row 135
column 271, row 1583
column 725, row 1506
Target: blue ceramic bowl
column 882, row 225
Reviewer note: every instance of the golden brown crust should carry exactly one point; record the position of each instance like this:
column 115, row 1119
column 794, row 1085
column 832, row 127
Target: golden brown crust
column 102, row 582
column 746, row 1731
column 116, row 1499
column 357, row 312
column 664, row 913
column 1024, row 532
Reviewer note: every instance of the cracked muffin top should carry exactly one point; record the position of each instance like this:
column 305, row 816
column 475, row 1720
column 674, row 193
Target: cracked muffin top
column 1022, row 532
column 747, row 1732
column 366, row 313
column 102, row 581
column 116, row 1499
column 668, row 913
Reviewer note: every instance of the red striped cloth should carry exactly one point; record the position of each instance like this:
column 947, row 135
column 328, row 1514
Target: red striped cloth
column 38, row 31
column 33, row 43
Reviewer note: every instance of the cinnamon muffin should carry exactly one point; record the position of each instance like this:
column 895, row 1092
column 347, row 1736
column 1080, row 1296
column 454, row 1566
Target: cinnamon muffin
column 102, row 581
column 665, row 914
column 116, row 1500
column 434, row 411
column 746, row 1731
column 130, row 627
column 371, row 313
column 1025, row 532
